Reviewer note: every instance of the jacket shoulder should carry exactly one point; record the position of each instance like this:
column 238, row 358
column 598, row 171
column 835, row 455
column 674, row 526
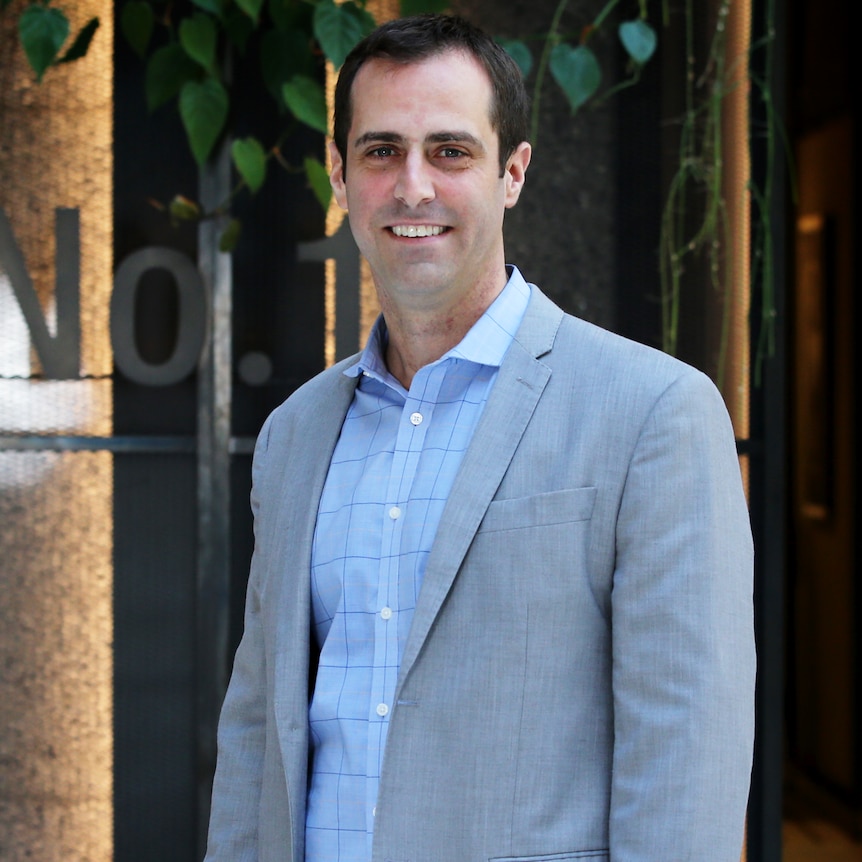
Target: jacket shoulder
column 305, row 406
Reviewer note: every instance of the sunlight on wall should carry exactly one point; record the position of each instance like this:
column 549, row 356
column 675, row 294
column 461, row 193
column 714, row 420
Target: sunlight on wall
column 56, row 506
column 369, row 308
column 737, row 392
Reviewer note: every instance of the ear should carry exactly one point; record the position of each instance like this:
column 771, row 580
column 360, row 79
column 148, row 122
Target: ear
column 336, row 176
column 516, row 172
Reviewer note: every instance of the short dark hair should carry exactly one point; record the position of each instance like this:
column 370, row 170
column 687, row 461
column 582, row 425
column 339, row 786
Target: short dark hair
column 418, row 37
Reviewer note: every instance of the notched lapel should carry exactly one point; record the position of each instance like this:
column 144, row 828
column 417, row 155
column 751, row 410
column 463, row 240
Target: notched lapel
column 519, row 386
column 308, row 441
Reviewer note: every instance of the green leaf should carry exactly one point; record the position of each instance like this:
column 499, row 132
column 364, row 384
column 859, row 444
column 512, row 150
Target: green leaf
column 136, row 24
column 577, row 72
column 283, row 13
column 639, row 39
column 283, row 55
column 230, row 236
column 307, row 100
column 203, row 109
column 42, row 31
column 198, row 37
column 251, row 8
column 168, row 69
column 363, row 17
column 520, row 53
column 339, row 27
column 238, row 27
column 82, row 42
column 417, row 7
column 318, row 179
column 250, row 161
column 183, row 209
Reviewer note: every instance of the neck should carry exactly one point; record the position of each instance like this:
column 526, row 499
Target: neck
column 417, row 339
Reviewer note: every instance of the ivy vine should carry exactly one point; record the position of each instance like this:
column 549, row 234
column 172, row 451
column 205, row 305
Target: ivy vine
column 43, row 29
column 190, row 52
column 190, row 49
column 573, row 64
column 695, row 219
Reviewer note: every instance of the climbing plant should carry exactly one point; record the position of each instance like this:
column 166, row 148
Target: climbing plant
column 695, row 223
column 44, row 29
column 191, row 50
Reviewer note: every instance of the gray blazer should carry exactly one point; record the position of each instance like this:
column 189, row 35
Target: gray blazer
column 578, row 680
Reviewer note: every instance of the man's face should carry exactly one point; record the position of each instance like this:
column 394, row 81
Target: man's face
column 421, row 181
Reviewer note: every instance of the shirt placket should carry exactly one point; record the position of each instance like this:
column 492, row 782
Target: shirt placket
column 399, row 507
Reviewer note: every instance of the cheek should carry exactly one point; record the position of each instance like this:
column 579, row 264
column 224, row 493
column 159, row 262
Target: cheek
column 364, row 196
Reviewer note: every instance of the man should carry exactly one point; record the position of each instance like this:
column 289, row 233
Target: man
column 500, row 600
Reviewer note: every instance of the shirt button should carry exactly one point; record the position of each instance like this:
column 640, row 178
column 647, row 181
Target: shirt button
column 395, row 513
column 382, row 709
column 386, row 613
column 416, row 418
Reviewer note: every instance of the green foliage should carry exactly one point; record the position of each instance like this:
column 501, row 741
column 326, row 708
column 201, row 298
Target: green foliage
column 639, row 40
column 520, row 53
column 198, row 39
column 169, row 67
column 190, row 51
column 577, row 71
column 250, row 161
column 184, row 209
column 695, row 220
column 136, row 24
column 230, row 235
column 318, row 177
column 307, row 100
column 338, row 27
column 574, row 65
column 203, row 109
column 43, row 29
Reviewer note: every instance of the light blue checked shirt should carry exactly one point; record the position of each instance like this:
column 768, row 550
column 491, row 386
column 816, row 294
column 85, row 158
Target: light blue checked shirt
column 390, row 476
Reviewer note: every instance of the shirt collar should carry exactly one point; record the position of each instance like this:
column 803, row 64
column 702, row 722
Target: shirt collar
column 485, row 343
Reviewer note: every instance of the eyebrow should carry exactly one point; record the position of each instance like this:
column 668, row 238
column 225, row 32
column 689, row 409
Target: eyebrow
column 434, row 138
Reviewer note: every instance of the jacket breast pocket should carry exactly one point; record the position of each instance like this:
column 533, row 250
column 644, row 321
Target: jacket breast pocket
column 551, row 508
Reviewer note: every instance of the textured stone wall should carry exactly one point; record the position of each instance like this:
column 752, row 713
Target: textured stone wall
column 55, row 507
column 561, row 232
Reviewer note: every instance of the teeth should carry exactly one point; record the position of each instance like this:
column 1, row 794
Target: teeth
column 417, row 230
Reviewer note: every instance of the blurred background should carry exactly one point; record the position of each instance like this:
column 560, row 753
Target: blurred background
column 158, row 299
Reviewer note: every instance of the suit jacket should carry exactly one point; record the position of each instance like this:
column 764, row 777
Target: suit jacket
column 578, row 679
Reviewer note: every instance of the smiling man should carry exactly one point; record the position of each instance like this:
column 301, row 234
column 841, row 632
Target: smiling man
column 427, row 191
column 500, row 600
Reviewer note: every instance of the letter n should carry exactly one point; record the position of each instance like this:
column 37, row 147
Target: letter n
column 60, row 354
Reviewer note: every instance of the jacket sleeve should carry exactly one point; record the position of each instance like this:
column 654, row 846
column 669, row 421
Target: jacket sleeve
column 234, row 815
column 683, row 640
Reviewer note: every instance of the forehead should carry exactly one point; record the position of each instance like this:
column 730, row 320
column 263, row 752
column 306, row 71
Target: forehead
column 451, row 88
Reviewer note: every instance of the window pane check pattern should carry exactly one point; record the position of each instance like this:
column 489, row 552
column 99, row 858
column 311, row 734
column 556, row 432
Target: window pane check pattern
column 389, row 479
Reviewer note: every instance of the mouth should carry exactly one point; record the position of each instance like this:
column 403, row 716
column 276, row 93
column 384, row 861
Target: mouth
column 418, row 230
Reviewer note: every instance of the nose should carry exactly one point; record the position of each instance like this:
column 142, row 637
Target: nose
column 414, row 185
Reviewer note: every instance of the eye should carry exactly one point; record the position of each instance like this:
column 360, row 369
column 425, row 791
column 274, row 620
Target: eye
column 382, row 152
column 452, row 153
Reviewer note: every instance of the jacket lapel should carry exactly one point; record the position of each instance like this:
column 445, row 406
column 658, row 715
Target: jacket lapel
column 301, row 481
column 520, row 382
